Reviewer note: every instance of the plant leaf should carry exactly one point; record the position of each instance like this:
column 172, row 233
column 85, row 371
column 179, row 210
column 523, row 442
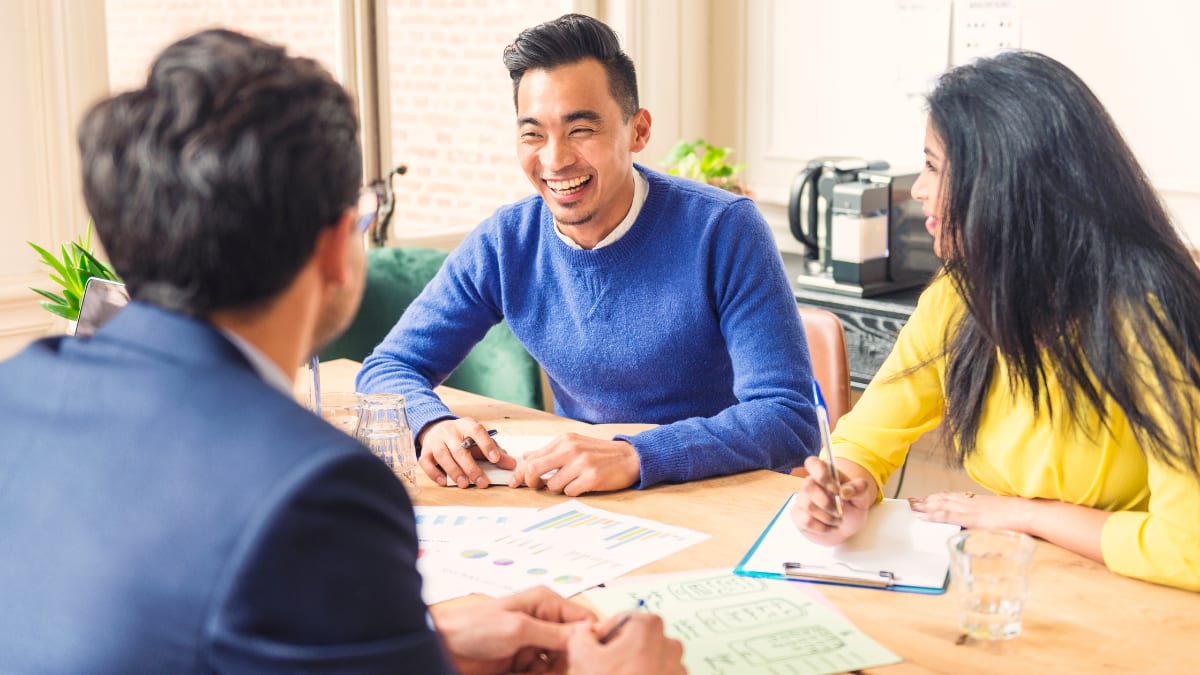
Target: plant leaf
column 68, row 265
column 58, row 280
column 59, row 310
column 57, row 299
column 681, row 150
column 48, row 258
column 714, row 159
column 72, row 299
column 95, row 267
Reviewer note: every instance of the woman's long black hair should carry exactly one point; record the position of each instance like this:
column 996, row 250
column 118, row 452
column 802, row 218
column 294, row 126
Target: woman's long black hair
column 1066, row 258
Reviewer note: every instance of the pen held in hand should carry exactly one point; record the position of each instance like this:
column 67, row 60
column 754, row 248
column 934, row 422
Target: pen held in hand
column 616, row 627
column 827, row 445
column 469, row 442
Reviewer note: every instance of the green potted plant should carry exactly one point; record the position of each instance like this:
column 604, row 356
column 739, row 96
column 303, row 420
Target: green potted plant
column 71, row 271
column 702, row 161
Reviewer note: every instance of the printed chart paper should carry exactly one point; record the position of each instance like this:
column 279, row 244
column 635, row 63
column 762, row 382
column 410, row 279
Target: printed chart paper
column 732, row 624
column 441, row 527
column 568, row 548
column 438, row 526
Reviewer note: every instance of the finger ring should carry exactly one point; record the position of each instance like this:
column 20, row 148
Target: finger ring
column 969, row 495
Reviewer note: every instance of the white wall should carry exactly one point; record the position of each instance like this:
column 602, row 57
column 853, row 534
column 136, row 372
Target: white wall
column 781, row 80
column 820, row 77
column 52, row 65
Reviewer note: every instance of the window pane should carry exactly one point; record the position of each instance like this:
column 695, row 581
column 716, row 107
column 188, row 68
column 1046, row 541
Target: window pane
column 139, row 29
column 452, row 117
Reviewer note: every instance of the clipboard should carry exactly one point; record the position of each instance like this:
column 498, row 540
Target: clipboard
column 895, row 551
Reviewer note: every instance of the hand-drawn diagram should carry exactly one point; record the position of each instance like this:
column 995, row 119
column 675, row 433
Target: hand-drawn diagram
column 732, row 625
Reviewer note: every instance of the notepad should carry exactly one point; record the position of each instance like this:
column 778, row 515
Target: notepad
column 895, row 550
column 516, row 446
column 734, row 624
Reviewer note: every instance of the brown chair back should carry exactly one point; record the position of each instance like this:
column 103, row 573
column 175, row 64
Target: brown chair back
column 831, row 365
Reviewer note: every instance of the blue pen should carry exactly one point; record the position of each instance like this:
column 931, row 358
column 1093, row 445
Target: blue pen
column 469, row 442
column 625, row 617
column 827, row 444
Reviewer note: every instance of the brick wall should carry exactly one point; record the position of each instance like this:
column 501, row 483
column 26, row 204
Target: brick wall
column 139, row 29
column 452, row 117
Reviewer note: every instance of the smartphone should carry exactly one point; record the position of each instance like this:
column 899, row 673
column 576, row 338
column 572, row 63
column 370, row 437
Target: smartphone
column 102, row 299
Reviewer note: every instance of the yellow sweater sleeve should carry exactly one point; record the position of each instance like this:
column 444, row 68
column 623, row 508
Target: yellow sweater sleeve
column 1154, row 532
column 901, row 403
column 1162, row 543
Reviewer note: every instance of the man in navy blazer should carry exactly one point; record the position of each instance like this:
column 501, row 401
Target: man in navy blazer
column 165, row 505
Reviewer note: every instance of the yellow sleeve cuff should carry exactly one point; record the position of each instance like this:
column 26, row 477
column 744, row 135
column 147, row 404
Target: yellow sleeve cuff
column 1133, row 546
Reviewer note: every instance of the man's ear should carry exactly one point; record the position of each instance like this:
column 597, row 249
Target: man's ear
column 640, row 124
column 332, row 252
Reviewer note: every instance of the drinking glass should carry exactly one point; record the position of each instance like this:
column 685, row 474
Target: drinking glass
column 383, row 428
column 990, row 571
column 342, row 410
column 312, row 397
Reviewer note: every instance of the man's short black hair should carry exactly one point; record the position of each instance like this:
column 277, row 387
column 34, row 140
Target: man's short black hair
column 210, row 184
column 569, row 39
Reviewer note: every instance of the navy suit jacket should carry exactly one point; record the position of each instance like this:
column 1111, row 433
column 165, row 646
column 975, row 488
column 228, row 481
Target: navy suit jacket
column 164, row 510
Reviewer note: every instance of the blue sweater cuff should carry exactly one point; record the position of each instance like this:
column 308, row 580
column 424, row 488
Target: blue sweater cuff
column 424, row 414
column 663, row 456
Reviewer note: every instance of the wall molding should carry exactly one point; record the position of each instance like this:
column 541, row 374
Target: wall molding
column 61, row 61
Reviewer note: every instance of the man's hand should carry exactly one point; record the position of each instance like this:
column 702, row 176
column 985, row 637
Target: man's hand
column 638, row 647
column 523, row 633
column 583, row 464
column 443, row 456
column 815, row 511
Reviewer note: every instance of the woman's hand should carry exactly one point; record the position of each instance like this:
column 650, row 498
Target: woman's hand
column 1074, row 527
column 815, row 510
column 972, row 510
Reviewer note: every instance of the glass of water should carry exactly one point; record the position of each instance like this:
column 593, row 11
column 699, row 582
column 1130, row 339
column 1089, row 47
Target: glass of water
column 990, row 571
column 383, row 428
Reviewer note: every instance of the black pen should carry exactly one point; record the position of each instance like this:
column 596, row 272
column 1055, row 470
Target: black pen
column 469, row 442
column 625, row 617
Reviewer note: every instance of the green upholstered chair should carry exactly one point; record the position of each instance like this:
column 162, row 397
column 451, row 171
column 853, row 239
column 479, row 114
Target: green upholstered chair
column 498, row 367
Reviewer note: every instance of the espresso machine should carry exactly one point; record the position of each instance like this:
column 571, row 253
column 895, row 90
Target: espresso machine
column 864, row 234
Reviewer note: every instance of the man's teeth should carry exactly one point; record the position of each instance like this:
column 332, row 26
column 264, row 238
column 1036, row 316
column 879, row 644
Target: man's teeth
column 567, row 185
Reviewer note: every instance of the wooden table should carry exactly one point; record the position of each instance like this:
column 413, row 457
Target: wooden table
column 1080, row 618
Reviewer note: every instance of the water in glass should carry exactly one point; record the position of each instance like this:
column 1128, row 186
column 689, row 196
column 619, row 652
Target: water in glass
column 383, row 428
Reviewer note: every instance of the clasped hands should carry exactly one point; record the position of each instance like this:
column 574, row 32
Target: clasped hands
column 581, row 463
column 536, row 631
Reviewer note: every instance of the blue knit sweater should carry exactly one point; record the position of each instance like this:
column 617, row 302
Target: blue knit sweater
column 688, row 321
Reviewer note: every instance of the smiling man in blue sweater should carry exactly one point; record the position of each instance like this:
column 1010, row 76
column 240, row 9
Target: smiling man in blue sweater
column 645, row 297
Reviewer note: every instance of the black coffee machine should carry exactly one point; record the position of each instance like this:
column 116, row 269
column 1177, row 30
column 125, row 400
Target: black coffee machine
column 872, row 239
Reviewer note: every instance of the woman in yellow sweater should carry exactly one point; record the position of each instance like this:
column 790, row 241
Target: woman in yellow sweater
column 1060, row 345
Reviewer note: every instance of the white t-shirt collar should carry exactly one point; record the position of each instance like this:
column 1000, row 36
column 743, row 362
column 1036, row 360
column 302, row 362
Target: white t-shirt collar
column 640, row 190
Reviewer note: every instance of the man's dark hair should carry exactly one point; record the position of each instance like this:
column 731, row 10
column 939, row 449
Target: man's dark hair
column 210, row 185
column 569, row 39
